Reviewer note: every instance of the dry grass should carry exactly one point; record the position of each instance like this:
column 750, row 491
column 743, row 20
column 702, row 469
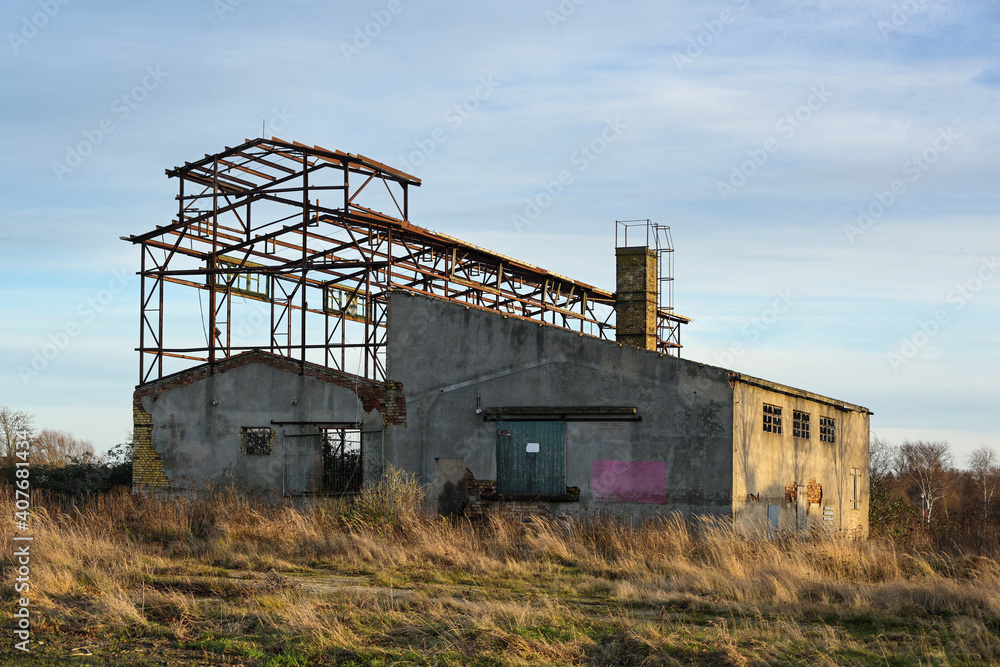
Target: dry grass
column 377, row 581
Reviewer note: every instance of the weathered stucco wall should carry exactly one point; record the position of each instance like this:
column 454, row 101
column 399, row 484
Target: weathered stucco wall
column 452, row 359
column 196, row 423
column 769, row 468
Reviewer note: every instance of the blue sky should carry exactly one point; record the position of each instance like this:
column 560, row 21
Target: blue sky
column 759, row 131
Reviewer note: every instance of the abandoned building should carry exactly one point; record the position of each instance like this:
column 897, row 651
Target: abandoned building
column 339, row 340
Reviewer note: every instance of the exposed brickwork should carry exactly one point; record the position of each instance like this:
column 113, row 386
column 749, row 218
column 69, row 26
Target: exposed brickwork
column 814, row 492
column 395, row 404
column 791, row 492
column 482, row 503
column 147, row 468
column 635, row 298
column 479, row 487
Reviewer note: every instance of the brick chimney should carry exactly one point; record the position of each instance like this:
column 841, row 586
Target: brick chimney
column 636, row 297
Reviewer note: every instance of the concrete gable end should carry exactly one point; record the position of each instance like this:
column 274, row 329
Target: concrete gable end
column 191, row 423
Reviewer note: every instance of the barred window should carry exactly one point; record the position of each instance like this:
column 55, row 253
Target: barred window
column 772, row 419
column 827, row 429
column 342, row 471
column 257, row 440
column 800, row 424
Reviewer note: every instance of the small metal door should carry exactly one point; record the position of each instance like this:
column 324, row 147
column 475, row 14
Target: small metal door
column 772, row 520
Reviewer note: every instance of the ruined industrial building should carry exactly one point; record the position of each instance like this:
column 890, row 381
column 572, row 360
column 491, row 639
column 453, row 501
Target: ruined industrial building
column 333, row 340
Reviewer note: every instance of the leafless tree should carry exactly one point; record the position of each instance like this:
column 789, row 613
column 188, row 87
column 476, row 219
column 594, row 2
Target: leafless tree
column 58, row 447
column 13, row 425
column 927, row 463
column 882, row 461
column 985, row 467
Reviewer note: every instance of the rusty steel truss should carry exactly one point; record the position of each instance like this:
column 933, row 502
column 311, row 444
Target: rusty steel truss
column 282, row 225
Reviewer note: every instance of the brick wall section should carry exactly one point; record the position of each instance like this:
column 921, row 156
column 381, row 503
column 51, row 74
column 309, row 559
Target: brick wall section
column 147, row 468
column 395, row 404
column 814, row 492
column 791, row 493
column 479, row 508
column 635, row 297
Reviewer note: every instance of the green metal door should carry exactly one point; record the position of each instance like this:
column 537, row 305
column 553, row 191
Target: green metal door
column 531, row 458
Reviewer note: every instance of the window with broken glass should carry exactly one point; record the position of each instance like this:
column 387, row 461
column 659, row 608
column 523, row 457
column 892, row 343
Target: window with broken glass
column 827, row 429
column 772, row 419
column 257, row 440
column 342, row 472
column 240, row 280
column 800, row 424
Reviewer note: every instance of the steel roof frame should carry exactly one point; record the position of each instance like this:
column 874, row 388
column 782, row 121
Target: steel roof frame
column 312, row 253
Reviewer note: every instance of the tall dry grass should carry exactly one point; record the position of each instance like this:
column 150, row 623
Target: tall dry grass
column 221, row 562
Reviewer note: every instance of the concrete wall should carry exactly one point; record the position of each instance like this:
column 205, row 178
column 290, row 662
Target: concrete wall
column 196, row 427
column 768, row 468
column 447, row 357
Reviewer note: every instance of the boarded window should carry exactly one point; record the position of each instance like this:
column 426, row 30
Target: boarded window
column 827, row 429
column 772, row 419
column 800, row 424
column 342, row 471
column 257, row 440
column 531, row 459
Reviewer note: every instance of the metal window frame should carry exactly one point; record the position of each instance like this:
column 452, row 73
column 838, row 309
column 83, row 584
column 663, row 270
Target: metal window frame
column 828, row 430
column 772, row 419
column 801, row 426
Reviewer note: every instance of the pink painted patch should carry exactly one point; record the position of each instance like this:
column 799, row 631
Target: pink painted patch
column 630, row 481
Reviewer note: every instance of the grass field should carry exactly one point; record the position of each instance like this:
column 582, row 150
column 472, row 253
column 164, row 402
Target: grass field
column 228, row 580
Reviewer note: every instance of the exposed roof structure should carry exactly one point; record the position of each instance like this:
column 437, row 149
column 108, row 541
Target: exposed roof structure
column 283, row 224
